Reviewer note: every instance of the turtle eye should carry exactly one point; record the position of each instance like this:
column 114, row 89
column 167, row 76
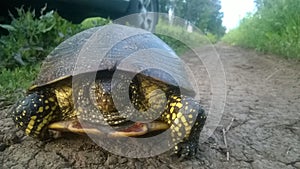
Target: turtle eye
column 33, row 113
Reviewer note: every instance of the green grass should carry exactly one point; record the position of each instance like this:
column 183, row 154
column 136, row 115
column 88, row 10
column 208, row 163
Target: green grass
column 29, row 41
column 14, row 83
column 179, row 39
column 274, row 28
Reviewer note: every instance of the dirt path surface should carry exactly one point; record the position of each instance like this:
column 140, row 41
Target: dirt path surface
column 262, row 110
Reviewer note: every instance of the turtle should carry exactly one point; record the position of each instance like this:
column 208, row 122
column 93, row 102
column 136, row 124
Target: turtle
column 77, row 89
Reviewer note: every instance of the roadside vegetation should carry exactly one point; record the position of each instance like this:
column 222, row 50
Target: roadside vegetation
column 30, row 39
column 273, row 28
column 32, row 36
column 179, row 39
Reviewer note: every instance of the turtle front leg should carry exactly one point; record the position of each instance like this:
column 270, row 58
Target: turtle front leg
column 186, row 119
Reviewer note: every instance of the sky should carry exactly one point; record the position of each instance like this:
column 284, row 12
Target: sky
column 234, row 11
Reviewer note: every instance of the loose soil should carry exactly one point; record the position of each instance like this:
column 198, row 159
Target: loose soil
column 262, row 115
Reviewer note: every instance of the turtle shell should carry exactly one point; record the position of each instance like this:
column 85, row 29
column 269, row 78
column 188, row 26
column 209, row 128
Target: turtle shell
column 109, row 48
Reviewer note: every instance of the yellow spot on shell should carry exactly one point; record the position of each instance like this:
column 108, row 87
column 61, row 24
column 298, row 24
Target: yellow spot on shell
column 172, row 110
column 179, row 115
column 188, row 129
column 185, row 124
column 31, row 122
column 173, row 116
column 46, row 101
column 27, row 131
column 51, row 99
column 47, row 107
column 176, row 121
column 30, row 126
column 41, row 109
column 168, row 116
column 53, row 107
column 183, row 119
column 39, row 128
column 172, row 104
column 179, row 105
column 33, row 117
column 190, row 116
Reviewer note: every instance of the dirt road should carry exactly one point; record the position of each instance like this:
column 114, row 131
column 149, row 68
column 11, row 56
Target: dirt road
column 262, row 111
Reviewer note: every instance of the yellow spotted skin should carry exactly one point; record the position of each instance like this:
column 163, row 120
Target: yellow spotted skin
column 186, row 119
column 184, row 115
column 92, row 102
column 34, row 113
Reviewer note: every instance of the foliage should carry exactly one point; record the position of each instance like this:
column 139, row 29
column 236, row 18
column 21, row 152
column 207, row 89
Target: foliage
column 164, row 5
column 274, row 28
column 29, row 41
column 14, row 82
column 179, row 39
column 205, row 14
column 30, row 38
column 93, row 22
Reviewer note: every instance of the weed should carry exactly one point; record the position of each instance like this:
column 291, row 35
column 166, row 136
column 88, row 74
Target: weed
column 274, row 28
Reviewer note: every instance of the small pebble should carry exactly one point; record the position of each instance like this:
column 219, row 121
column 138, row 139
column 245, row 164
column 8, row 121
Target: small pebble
column 151, row 167
column 123, row 160
column 138, row 165
column 297, row 165
column 164, row 166
column 111, row 160
column 2, row 146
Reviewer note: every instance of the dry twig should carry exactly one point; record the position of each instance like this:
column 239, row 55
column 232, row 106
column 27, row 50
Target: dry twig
column 225, row 138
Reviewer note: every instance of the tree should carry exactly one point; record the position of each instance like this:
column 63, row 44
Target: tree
column 205, row 14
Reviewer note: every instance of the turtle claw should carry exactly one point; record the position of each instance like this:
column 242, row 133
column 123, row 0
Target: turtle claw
column 185, row 150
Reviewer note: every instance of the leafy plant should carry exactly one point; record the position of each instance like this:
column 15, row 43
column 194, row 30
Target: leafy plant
column 274, row 28
column 30, row 38
column 29, row 41
column 179, row 39
column 93, row 22
column 13, row 83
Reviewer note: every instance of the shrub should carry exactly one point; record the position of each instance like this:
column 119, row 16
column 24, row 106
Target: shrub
column 30, row 39
column 274, row 28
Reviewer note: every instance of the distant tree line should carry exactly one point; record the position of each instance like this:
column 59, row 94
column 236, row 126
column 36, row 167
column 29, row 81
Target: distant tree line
column 205, row 14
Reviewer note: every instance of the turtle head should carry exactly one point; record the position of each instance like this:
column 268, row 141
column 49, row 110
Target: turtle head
column 103, row 95
column 33, row 113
